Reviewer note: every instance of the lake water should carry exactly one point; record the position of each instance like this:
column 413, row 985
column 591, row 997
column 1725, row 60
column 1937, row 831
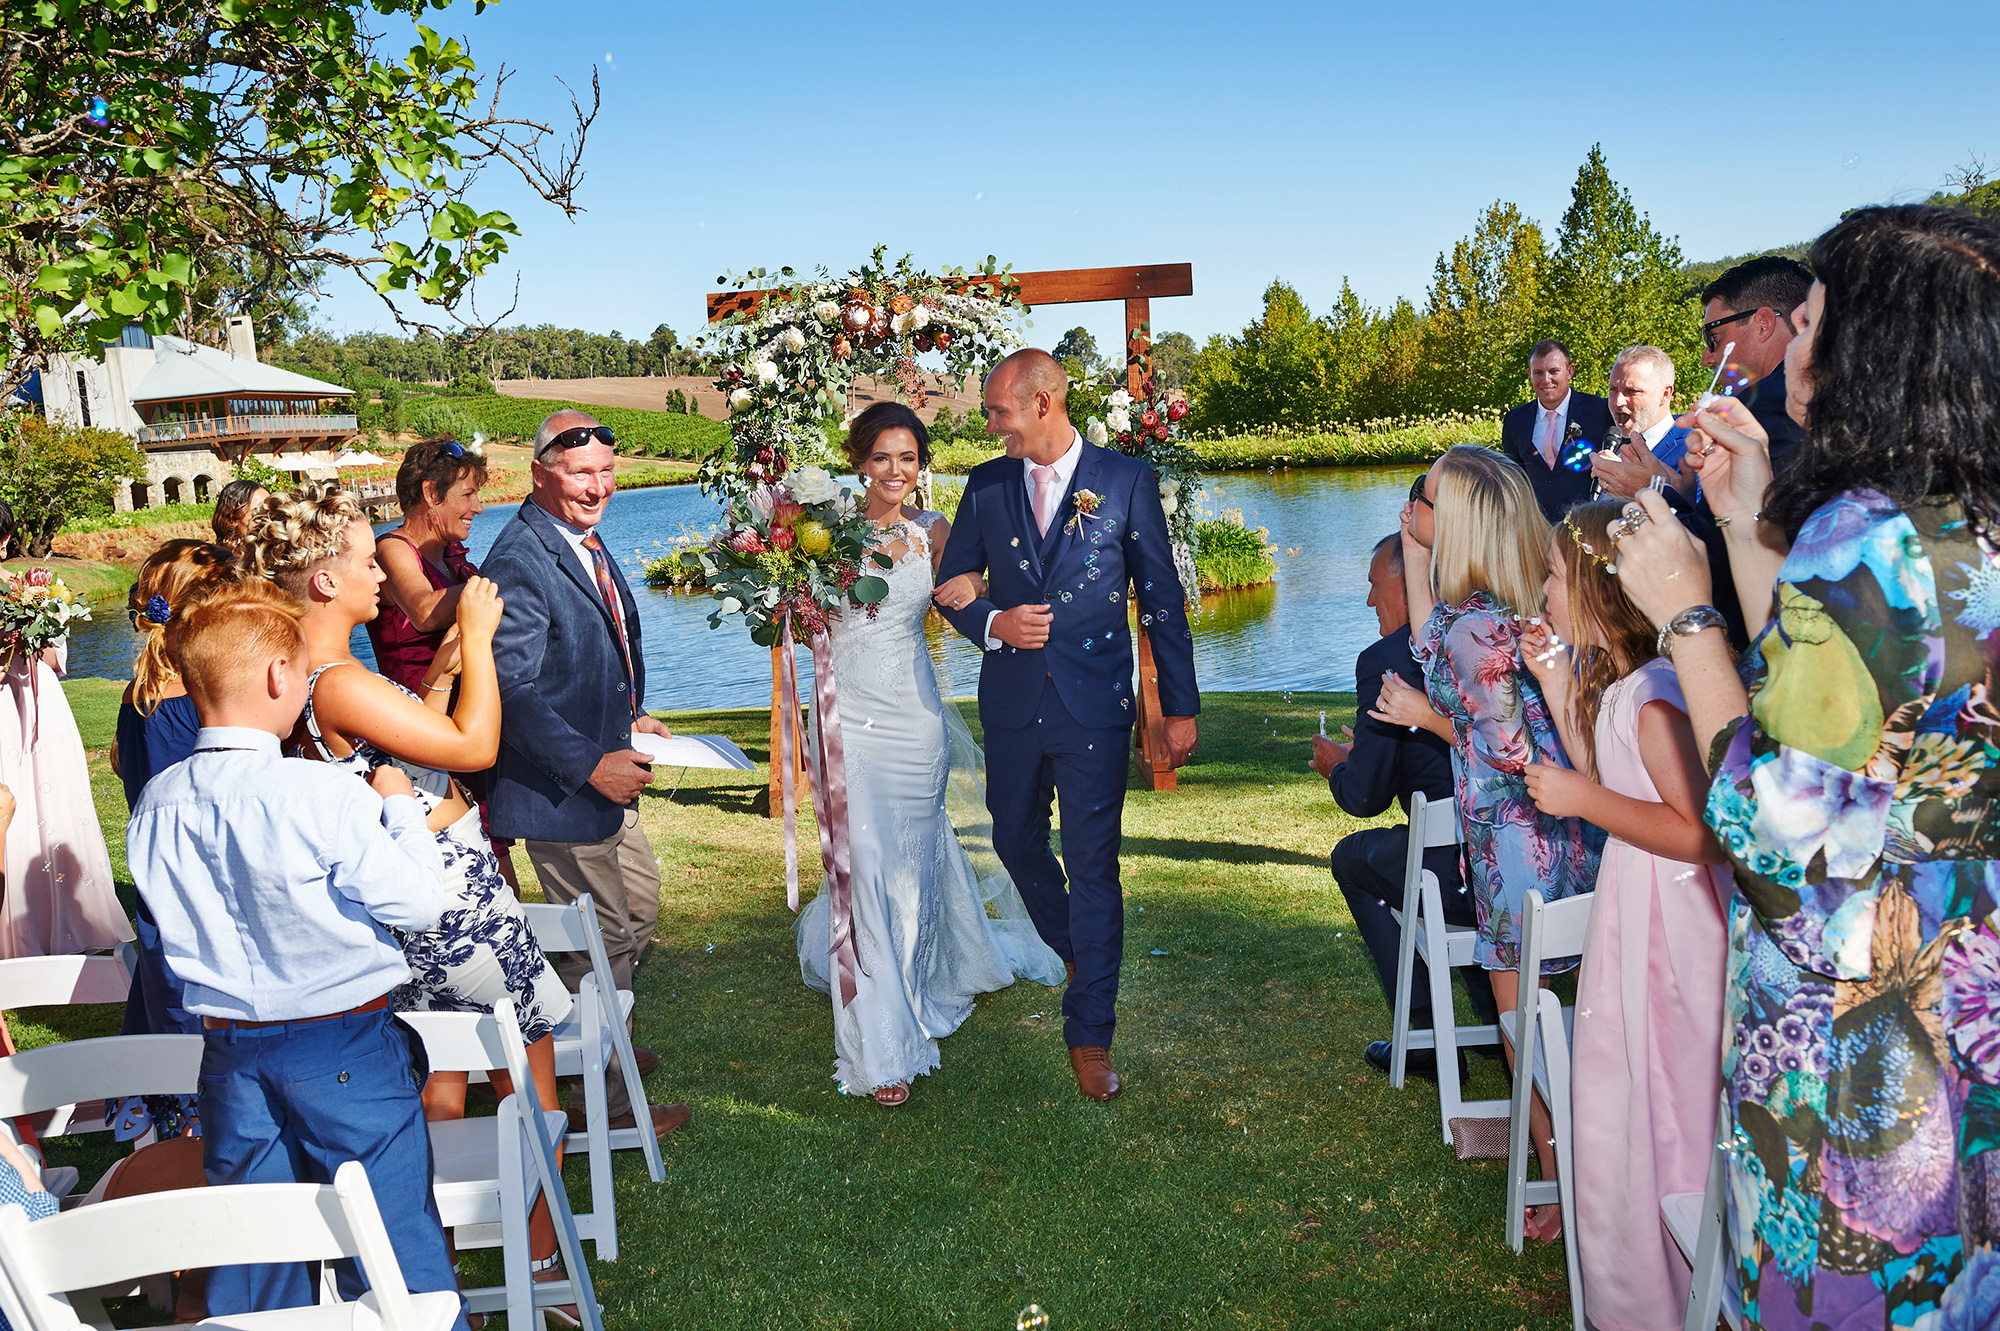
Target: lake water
column 1302, row 632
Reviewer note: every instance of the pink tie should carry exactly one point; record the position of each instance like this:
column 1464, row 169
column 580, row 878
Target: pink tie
column 1549, row 436
column 1045, row 495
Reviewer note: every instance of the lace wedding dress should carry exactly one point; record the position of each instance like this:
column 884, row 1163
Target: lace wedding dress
column 936, row 919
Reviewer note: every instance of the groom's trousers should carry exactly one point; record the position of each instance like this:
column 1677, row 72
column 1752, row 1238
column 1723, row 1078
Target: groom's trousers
column 1082, row 914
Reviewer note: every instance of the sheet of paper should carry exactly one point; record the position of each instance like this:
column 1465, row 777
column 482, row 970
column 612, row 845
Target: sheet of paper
column 693, row 751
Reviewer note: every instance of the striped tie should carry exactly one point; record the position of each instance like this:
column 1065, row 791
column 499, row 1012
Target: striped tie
column 608, row 589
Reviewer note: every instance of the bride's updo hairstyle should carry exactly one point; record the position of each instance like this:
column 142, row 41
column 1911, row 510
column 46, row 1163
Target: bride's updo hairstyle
column 877, row 421
column 297, row 531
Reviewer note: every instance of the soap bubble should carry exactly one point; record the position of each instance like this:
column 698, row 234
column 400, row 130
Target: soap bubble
column 1031, row 1318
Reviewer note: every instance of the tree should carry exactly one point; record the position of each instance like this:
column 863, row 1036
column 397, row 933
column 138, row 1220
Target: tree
column 144, row 143
column 1078, row 345
column 54, row 474
column 1479, row 321
column 1615, row 281
column 1173, row 359
column 1275, row 373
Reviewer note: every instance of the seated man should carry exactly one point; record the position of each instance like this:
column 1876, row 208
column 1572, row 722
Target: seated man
column 275, row 882
column 1379, row 764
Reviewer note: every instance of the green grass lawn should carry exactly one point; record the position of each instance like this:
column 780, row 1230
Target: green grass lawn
column 1255, row 1173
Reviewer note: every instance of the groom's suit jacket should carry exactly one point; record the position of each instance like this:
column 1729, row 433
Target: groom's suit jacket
column 1082, row 569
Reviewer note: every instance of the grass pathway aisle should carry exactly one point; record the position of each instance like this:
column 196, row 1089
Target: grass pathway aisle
column 1255, row 1173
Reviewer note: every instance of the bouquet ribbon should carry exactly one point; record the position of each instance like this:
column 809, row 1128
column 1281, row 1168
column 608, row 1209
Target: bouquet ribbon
column 829, row 802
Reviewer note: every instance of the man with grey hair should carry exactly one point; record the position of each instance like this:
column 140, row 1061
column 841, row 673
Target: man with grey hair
column 571, row 677
column 1641, row 396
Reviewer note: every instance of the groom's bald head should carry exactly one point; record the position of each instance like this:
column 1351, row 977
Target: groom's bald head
column 1030, row 371
column 1027, row 405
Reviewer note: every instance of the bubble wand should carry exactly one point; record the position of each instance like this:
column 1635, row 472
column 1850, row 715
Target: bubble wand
column 1721, row 364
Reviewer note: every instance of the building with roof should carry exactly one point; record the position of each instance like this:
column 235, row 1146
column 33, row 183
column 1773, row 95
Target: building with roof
column 198, row 411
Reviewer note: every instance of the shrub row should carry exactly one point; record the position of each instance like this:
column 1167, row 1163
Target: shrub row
column 657, row 434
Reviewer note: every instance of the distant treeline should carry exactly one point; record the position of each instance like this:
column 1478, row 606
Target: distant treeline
column 539, row 352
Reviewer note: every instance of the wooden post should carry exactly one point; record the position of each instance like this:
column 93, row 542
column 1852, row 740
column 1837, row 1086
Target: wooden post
column 1138, row 343
column 785, row 712
column 1149, row 734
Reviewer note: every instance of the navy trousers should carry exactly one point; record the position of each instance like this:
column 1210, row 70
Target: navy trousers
column 293, row 1103
column 1368, row 866
column 1082, row 914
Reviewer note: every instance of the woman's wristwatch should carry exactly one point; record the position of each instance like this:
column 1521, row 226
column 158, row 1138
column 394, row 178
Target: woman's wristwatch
column 1686, row 624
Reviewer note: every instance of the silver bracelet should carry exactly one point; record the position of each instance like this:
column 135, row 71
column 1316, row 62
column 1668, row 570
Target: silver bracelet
column 1686, row 624
column 438, row 688
column 1757, row 515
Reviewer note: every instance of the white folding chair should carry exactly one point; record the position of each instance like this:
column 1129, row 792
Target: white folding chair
column 489, row 1171
column 585, row 1042
column 59, row 982
column 61, row 1076
column 1539, row 1030
column 111, row 1244
column 1696, row 1222
column 1444, row 948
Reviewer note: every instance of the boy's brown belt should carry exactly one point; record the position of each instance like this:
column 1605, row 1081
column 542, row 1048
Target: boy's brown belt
column 231, row 1024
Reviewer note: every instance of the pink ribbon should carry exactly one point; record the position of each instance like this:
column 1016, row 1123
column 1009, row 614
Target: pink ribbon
column 829, row 802
column 788, row 688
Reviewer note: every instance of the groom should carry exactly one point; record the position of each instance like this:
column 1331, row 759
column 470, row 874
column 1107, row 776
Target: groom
column 1063, row 531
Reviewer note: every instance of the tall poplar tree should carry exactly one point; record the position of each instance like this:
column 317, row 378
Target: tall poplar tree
column 1480, row 318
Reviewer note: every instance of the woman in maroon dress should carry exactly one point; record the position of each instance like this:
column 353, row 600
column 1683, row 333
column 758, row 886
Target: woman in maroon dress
column 438, row 487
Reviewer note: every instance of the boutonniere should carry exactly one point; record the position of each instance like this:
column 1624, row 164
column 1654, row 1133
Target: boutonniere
column 1086, row 502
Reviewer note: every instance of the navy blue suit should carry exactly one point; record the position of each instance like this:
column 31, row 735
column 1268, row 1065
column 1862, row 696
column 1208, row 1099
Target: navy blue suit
column 565, row 700
column 1557, row 487
column 1058, row 718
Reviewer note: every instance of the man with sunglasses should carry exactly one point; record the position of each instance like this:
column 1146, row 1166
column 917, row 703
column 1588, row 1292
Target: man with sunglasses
column 571, row 678
column 1536, row 434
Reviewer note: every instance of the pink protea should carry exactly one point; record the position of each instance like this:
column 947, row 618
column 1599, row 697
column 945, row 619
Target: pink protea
column 39, row 577
column 782, row 537
column 747, row 542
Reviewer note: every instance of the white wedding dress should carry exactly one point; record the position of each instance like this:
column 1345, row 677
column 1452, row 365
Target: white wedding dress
column 932, row 928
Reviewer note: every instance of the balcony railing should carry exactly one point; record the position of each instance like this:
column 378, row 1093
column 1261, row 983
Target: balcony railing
column 247, row 427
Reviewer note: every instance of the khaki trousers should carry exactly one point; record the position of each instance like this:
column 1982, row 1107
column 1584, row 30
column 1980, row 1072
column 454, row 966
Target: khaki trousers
column 623, row 879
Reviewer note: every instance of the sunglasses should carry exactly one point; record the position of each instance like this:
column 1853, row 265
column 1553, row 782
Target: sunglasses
column 1708, row 329
column 577, row 438
column 1417, row 492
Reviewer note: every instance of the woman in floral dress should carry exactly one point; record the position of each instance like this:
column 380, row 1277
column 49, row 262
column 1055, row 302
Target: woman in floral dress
column 1472, row 571
column 1855, row 786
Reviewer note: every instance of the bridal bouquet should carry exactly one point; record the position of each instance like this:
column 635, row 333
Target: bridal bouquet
column 791, row 551
column 37, row 610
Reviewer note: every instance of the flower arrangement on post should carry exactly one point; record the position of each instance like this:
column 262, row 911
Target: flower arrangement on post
column 791, row 552
column 791, row 357
column 36, row 611
column 1149, row 428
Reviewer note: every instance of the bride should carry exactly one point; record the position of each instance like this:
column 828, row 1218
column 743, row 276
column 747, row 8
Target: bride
column 921, row 924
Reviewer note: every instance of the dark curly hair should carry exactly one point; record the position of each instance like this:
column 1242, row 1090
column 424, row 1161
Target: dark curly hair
column 430, row 461
column 232, row 510
column 877, row 421
column 1903, row 395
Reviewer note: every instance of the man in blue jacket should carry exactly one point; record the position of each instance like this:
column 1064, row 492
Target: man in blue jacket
column 571, row 677
column 1383, row 764
column 1064, row 531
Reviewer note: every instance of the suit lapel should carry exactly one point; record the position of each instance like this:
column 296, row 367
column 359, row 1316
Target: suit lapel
column 570, row 561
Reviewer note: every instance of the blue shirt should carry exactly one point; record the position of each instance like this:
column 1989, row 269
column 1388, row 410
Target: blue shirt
column 150, row 744
column 275, row 880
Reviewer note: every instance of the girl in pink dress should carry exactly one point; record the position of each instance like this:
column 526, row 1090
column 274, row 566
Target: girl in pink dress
column 1647, row 1053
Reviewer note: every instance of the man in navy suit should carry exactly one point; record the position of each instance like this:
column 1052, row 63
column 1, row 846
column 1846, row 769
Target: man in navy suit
column 571, row 677
column 1383, row 764
column 1063, row 531
column 1642, row 394
column 1533, row 433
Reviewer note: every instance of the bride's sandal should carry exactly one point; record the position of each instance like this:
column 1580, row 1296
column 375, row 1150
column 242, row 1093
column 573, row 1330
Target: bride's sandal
column 893, row 1095
column 557, row 1315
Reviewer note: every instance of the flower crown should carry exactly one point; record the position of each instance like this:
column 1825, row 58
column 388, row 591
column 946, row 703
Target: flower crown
column 1576, row 534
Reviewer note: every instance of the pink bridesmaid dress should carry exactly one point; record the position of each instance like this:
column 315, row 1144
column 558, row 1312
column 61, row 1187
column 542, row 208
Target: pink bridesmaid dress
column 1647, row 1053
column 60, row 895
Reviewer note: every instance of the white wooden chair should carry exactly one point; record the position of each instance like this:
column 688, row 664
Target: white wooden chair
column 61, row 1076
column 57, row 982
column 1444, row 948
column 585, row 1042
column 113, row 1243
column 1696, row 1221
column 1539, row 1030
column 490, row 1171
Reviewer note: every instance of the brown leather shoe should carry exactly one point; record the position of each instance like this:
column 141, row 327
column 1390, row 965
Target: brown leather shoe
column 1095, row 1076
column 665, row 1119
column 1069, row 972
column 646, row 1059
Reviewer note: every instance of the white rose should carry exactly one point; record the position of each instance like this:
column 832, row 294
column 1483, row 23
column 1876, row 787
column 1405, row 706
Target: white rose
column 794, row 340
column 1095, row 431
column 1119, row 419
column 1119, row 399
column 899, row 324
column 767, row 371
column 920, row 317
column 739, row 399
column 826, row 312
column 1168, row 504
column 812, row 485
column 1168, row 487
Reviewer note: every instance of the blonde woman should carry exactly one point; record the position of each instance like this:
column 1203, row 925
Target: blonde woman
column 315, row 542
column 1475, row 554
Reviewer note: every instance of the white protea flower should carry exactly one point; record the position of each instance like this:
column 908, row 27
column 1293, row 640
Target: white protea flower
column 794, row 340
column 767, row 371
column 826, row 311
column 1095, row 431
column 740, row 399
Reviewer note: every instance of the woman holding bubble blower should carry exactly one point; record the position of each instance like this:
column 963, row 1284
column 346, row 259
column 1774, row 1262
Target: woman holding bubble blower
column 1855, row 789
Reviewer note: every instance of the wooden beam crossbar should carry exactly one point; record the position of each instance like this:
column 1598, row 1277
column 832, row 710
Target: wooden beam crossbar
column 1067, row 286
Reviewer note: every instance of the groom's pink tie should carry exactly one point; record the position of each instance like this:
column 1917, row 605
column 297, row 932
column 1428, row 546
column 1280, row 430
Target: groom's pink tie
column 1045, row 495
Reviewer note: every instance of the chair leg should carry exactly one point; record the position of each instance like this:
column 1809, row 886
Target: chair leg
column 1555, row 1043
column 1705, row 1290
column 1399, row 1034
column 597, row 1114
column 517, row 1194
column 1444, row 1020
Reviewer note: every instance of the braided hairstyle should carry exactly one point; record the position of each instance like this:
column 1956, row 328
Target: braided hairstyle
column 299, row 530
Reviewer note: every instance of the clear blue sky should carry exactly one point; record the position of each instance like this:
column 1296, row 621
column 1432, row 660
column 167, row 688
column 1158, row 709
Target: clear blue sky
column 1303, row 141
